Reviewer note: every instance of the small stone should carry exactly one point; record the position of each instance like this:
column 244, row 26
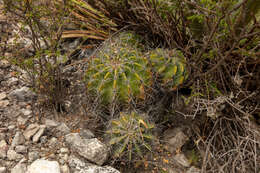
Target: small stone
column 64, row 150
column 12, row 81
column 63, row 128
column 30, row 131
column 65, row 169
column 11, row 127
column 91, row 149
column 2, row 169
column 22, row 120
column 3, row 149
column 21, row 149
column 43, row 139
column 22, row 94
column 4, row 64
column 99, row 169
column 87, row 134
column 26, row 112
column 18, row 139
column 12, row 155
column 193, row 170
column 2, row 136
column 53, row 142
column 3, row 95
column 51, row 123
column 4, row 103
column 32, row 156
column 44, row 166
column 19, row 168
column 175, row 139
column 181, row 159
column 40, row 132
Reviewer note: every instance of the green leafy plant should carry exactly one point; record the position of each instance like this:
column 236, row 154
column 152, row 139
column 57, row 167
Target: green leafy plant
column 118, row 71
column 170, row 67
column 130, row 134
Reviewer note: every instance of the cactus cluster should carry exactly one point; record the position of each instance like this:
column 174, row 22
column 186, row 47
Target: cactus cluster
column 169, row 66
column 118, row 71
column 130, row 134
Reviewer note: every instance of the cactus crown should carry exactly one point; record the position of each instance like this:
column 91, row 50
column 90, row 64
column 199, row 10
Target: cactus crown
column 130, row 134
column 169, row 66
column 119, row 70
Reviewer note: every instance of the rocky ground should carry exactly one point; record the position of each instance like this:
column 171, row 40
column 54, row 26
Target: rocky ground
column 30, row 143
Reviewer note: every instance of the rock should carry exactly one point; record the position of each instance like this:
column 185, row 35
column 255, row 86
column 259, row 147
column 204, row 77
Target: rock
column 51, row 123
column 3, row 149
column 2, row 169
column 26, row 112
column 44, row 166
column 3, row 95
column 193, row 169
column 21, row 149
column 4, row 64
column 18, row 139
column 22, row 94
column 19, row 168
column 76, row 163
column 32, row 156
column 30, row 131
column 12, row 81
column 12, row 155
column 4, row 103
column 99, row 169
column 91, row 149
column 11, row 127
column 174, row 139
column 53, row 142
column 43, row 139
column 64, row 150
column 181, row 159
column 63, row 129
column 65, row 169
column 87, row 134
column 21, row 120
column 40, row 132
column 2, row 136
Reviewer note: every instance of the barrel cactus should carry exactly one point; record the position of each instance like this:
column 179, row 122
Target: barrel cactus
column 169, row 66
column 130, row 135
column 118, row 71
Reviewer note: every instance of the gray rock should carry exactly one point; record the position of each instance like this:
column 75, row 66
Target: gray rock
column 32, row 156
column 76, row 163
column 51, row 123
column 44, row 166
column 12, row 155
column 30, row 131
column 193, row 170
column 12, row 81
column 181, row 159
column 63, row 129
column 3, row 149
column 174, row 139
column 2, row 136
column 26, row 112
column 19, row 168
column 65, row 169
column 2, row 169
column 3, row 95
column 4, row 103
column 21, row 149
column 40, row 132
column 64, row 150
column 22, row 94
column 18, row 139
column 43, row 139
column 91, row 149
column 21, row 120
column 11, row 127
column 99, row 169
column 86, row 133
column 53, row 142
column 4, row 64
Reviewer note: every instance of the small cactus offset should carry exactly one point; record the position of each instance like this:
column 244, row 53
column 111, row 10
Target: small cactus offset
column 118, row 71
column 169, row 66
column 130, row 135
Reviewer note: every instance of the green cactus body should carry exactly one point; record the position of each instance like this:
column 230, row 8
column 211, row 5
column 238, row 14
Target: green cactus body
column 169, row 66
column 130, row 134
column 119, row 70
